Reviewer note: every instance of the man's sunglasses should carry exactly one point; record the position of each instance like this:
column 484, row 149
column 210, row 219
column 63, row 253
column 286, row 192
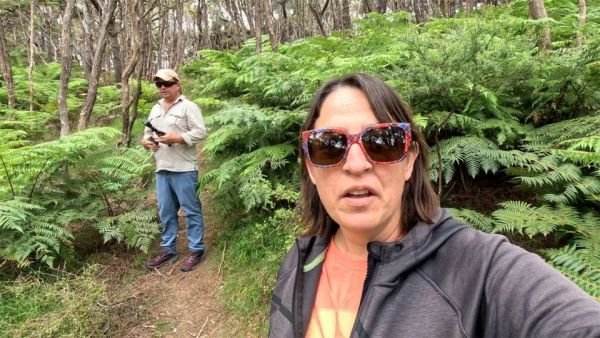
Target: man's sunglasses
column 381, row 143
column 166, row 84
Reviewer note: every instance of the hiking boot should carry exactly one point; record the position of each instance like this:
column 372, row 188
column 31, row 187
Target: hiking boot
column 163, row 257
column 191, row 261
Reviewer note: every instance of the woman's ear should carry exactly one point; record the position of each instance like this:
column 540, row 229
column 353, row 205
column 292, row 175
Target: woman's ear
column 410, row 160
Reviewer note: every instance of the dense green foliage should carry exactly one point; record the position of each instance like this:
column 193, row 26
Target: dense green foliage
column 55, row 190
column 491, row 105
column 51, row 187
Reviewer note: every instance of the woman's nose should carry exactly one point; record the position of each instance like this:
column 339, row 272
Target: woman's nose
column 356, row 161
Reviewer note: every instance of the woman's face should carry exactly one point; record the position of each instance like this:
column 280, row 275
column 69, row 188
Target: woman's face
column 364, row 198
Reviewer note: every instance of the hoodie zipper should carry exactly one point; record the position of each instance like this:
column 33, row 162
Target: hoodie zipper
column 371, row 271
column 299, row 286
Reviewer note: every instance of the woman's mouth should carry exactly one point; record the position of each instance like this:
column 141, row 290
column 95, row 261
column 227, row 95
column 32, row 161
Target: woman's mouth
column 362, row 193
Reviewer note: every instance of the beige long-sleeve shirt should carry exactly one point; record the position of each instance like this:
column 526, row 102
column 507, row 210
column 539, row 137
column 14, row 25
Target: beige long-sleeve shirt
column 184, row 117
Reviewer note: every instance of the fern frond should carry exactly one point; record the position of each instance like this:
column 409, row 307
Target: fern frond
column 579, row 266
column 583, row 150
column 28, row 233
column 477, row 155
column 137, row 228
column 552, row 135
column 474, row 218
column 521, row 217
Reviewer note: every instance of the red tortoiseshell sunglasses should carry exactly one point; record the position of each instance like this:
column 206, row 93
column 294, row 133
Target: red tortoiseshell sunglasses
column 381, row 143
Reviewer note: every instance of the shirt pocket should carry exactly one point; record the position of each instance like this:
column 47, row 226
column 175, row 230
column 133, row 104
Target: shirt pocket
column 176, row 120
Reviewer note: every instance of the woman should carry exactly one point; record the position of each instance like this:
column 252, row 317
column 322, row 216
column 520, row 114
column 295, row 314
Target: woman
column 382, row 259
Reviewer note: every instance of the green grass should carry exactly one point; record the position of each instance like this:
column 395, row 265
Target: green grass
column 60, row 304
column 253, row 254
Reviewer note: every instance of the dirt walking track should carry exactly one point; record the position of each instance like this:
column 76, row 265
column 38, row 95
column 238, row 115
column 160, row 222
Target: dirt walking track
column 167, row 302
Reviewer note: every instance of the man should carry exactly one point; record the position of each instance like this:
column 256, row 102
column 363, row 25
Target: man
column 176, row 168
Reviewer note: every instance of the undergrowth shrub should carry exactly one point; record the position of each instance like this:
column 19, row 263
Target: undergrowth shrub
column 80, row 178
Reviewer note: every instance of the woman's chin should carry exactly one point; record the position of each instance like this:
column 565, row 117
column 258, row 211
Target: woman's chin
column 358, row 223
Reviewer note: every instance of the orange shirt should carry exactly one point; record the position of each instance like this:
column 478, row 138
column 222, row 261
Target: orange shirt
column 338, row 295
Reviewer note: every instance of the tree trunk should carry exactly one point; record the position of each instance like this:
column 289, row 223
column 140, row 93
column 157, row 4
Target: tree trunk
column 423, row 10
column 116, row 49
column 301, row 19
column 445, row 8
column 269, row 22
column 90, row 99
column 469, row 6
column 31, row 52
column 286, row 31
column 336, row 15
column 581, row 22
column 203, row 36
column 366, row 7
column 346, row 20
column 258, row 25
column 319, row 15
column 87, row 48
column 7, row 69
column 176, row 52
column 135, row 11
column 538, row 11
column 381, row 6
column 65, row 70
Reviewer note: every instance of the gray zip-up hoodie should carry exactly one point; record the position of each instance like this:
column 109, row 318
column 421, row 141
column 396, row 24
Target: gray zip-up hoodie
column 441, row 280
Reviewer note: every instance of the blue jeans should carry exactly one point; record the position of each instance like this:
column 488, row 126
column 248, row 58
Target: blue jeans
column 175, row 190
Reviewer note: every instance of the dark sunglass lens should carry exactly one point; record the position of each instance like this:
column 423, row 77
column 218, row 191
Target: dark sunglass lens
column 167, row 84
column 326, row 147
column 384, row 144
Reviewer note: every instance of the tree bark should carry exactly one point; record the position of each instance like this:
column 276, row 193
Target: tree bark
column 469, row 6
column 286, row 29
column 581, row 22
column 7, row 69
column 381, row 6
column 31, row 52
column 423, row 10
column 538, row 11
column 116, row 49
column 258, row 25
column 65, row 73
column 88, row 29
column 90, row 99
column 269, row 23
column 445, row 8
column 366, row 7
column 135, row 11
column 336, row 14
column 203, row 36
column 176, row 52
column 346, row 20
column 319, row 15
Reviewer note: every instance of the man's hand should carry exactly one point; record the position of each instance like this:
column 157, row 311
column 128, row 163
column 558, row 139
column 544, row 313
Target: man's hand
column 170, row 138
column 149, row 145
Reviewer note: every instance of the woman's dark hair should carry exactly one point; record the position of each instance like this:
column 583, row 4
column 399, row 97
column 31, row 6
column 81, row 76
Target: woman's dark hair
column 419, row 200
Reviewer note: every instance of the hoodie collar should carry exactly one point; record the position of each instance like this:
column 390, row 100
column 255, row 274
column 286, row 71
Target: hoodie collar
column 422, row 240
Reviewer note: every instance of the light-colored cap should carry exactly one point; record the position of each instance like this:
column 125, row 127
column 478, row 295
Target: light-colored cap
column 167, row 75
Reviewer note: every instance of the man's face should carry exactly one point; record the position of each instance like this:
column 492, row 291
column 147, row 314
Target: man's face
column 168, row 90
